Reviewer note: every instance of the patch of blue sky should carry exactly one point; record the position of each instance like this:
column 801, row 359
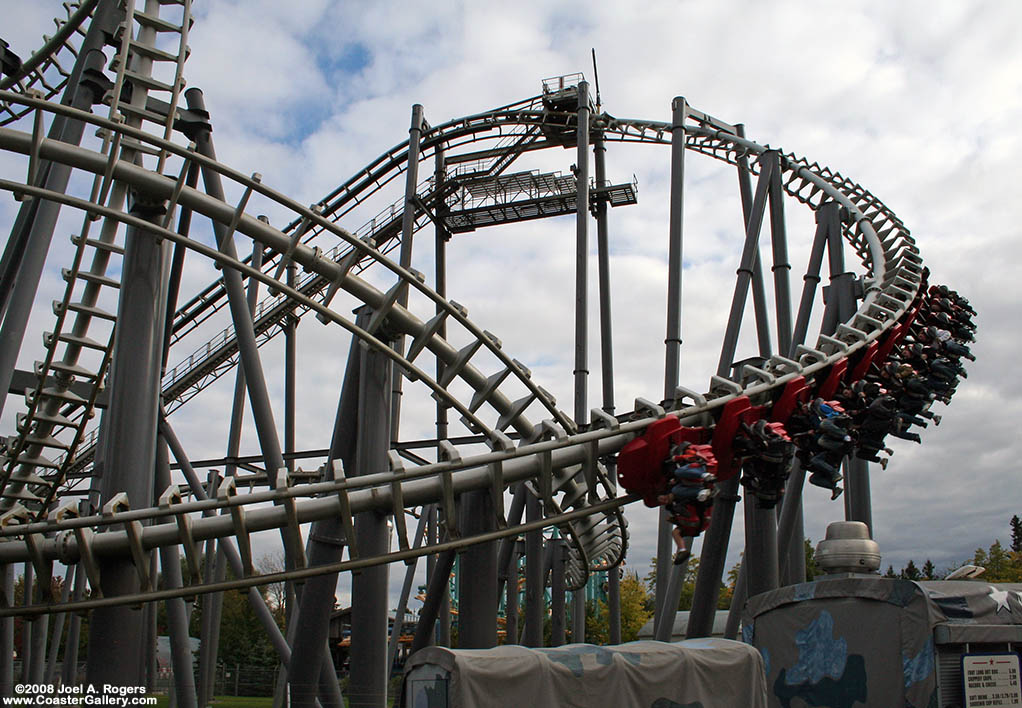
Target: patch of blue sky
column 351, row 59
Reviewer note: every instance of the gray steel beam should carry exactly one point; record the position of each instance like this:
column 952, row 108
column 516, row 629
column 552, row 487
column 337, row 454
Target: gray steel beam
column 25, row 254
column 368, row 667
column 230, row 552
column 533, row 630
column 442, row 631
column 511, row 601
column 69, row 670
column 58, row 628
column 858, row 504
column 606, row 358
column 715, row 543
column 557, row 592
column 760, row 547
column 406, row 591
column 28, row 588
column 436, row 592
column 781, row 267
column 177, row 613
column 672, row 341
column 790, row 540
column 581, row 372
column 477, row 577
column 326, row 544
column 581, row 414
column 241, row 316
column 7, row 630
column 758, row 286
column 115, row 634
column 745, row 270
column 405, row 256
column 827, row 216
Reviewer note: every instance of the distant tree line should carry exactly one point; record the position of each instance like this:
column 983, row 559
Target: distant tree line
column 1003, row 565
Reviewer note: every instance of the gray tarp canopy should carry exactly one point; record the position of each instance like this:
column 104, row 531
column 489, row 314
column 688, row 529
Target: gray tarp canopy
column 700, row 673
column 866, row 640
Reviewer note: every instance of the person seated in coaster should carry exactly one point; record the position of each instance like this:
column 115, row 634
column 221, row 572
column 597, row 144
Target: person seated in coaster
column 690, row 518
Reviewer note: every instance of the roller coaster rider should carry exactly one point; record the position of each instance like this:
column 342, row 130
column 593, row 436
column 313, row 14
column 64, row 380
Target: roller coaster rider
column 690, row 498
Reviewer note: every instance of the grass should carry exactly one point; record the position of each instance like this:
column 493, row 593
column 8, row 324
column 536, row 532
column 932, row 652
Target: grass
column 228, row 702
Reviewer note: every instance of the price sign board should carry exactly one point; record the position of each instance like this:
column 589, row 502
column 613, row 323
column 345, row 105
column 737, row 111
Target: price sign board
column 991, row 681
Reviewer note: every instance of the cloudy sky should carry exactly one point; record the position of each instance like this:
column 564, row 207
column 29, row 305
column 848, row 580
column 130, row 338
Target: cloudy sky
column 920, row 102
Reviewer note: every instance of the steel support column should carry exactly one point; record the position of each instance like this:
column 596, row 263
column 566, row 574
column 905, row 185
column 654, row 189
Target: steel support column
column 715, row 543
column 177, row 613
column 241, row 316
column 534, row 577
column 557, row 592
column 606, row 357
column 442, row 631
column 436, row 592
column 116, row 655
column 672, row 341
column 406, row 591
column 477, row 579
column 368, row 667
column 25, row 255
column 758, row 286
column 326, row 544
column 781, row 267
column 578, row 616
column 511, row 601
column 405, row 256
column 760, row 547
column 7, row 631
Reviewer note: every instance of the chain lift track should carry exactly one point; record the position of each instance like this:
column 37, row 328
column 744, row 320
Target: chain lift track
column 563, row 464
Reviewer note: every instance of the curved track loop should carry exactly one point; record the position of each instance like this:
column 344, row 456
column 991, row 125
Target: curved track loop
column 559, row 461
column 46, row 72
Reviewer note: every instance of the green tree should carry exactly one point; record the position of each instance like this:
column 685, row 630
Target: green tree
column 1016, row 534
column 1002, row 566
column 911, row 572
column 928, row 570
column 890, row 572
column 812, row 569
column 636, row 609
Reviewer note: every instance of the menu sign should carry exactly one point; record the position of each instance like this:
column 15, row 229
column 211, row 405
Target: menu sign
column 991, row 681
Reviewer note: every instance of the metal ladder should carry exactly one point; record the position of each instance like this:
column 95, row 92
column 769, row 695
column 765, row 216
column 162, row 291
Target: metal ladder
column 51, row 430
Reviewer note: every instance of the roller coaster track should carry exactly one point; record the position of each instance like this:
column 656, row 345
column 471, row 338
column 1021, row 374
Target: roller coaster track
column 561, row 462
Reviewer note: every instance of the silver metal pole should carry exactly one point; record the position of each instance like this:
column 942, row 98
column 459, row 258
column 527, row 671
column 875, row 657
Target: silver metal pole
column 58, row 627
column 477, row 580
column 326, row 545
column 679, row 113
column 116, row 654
column 7, row 631
column 557, row 592
column 177, row 613
column 29, row 243
column 241, row 316
column 406, row 591
column 511, row 603
column 758, row 287
column 534, row 582
column 606, row 358
column 781, row 267
column 405, row 257
column 368, row 674
column 581, row 306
